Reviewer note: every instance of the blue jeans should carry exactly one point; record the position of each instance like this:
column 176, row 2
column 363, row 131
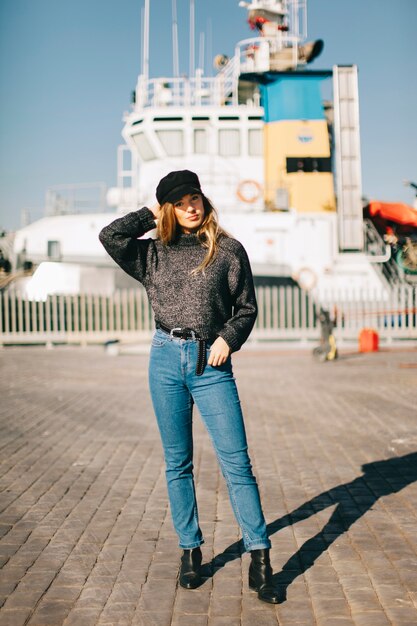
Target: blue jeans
column 174, row 389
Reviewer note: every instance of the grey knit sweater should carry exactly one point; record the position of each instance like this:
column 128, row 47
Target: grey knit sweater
column 217, row 302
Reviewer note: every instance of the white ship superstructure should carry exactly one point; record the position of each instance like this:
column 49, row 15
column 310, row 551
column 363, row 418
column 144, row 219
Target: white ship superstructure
column 266, row 147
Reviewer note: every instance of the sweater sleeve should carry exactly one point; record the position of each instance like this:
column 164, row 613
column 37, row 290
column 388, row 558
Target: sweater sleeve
column 238, row 328
column 120, row 239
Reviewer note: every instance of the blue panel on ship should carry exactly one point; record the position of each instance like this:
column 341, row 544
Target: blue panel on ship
column 293, row 98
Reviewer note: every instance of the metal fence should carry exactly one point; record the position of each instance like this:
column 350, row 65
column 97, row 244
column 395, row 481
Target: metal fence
column 285, row 314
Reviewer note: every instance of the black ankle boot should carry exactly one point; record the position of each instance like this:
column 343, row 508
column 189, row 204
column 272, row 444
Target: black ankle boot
column 190, row 577
column 260, row 576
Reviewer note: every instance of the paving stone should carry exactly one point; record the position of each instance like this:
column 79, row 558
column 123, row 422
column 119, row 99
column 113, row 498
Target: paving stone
column 194, row 602
column 23, row 598
column 354, row 581
column 163, row 570
column 190, row 620
column 6, row 588
column 226, row 606
column 114, row 611
column 393, row 595
column 84, row 616
column 228, row 583
column 152, row 618
column 371, row 618
column 296, row 612
column 125, row 592
column 50, row 613
column 324, row 607
column 58, row 593
column 149, row 601
column 250, row 618
column 361, row 600
column 402, row 616
column 14, row 617
column 69, row 578
column 331, row 591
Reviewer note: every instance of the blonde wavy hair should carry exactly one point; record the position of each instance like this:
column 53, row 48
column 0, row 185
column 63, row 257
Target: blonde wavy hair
column 209, row 232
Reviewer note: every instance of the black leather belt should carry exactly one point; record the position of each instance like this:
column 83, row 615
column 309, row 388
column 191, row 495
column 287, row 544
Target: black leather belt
column 189, row 333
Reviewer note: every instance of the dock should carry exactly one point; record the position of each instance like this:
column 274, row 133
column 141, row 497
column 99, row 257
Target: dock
column 86, row 534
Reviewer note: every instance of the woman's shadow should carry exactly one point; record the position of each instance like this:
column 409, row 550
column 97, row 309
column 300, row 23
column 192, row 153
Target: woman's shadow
column 353, row 500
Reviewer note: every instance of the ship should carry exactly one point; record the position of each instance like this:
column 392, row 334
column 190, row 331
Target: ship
column 280, row 162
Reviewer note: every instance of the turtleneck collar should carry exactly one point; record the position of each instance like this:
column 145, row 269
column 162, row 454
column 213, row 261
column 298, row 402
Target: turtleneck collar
column 183, row 239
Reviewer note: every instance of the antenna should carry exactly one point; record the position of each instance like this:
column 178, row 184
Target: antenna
column 192, row 36
column 175, row 57
column 201, row 52
column 145, row 60
column 209, row 71
column 141, row 29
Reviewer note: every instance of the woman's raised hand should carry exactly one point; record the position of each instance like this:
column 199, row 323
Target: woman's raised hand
column 219, row 352
column 155, row 210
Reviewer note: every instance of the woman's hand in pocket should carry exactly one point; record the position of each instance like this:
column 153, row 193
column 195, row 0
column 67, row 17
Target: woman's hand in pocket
column 219, row 352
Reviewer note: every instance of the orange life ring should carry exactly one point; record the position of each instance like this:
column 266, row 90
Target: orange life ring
column 306, row 278
column 243, row 194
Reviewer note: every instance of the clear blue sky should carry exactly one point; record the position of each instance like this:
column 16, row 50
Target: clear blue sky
column 67, row 69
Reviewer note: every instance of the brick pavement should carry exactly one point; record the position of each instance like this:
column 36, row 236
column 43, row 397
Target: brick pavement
column 86, row 536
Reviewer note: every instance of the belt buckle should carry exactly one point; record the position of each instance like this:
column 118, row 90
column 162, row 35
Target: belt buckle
column 185, row 333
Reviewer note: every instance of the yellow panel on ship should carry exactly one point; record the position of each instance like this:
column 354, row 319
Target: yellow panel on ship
column 292, row 148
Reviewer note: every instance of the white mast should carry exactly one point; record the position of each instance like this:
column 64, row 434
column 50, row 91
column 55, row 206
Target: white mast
column 192, row 37
column 209, row 48
column 201, row 52
column 142, row 21
column 175, row 56
column 145, row 59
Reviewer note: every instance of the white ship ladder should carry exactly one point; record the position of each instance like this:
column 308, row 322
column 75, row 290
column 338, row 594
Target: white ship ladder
column 348, row 158
column 227, row 82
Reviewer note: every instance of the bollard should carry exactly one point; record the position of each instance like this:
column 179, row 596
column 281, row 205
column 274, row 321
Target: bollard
column 368, row 340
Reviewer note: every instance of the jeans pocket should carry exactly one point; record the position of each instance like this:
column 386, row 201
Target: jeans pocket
column 159, row 339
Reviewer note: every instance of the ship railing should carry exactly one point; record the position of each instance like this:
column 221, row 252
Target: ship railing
column 76, row 198
column 379, row 253
column 228, row 79
column 257, row 54
column 286, row 313
column 375, row 246
column 263, row 54
column 184, row 92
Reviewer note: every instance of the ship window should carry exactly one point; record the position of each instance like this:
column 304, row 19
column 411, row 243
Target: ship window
column 54, row 250
column 229, row 142
column 167, row 119
column 146, row 152
column 172, row 141
column 200, row 141
column 308, row 164
column 255, row 142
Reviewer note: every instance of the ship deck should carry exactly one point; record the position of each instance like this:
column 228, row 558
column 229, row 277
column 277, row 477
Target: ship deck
column 86, row 533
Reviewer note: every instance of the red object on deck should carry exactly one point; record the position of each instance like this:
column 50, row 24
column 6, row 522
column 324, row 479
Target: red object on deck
column 397, row 212
column 368, row 340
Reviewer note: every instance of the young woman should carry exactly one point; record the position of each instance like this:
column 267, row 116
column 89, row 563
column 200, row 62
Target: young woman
column 200, row 286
